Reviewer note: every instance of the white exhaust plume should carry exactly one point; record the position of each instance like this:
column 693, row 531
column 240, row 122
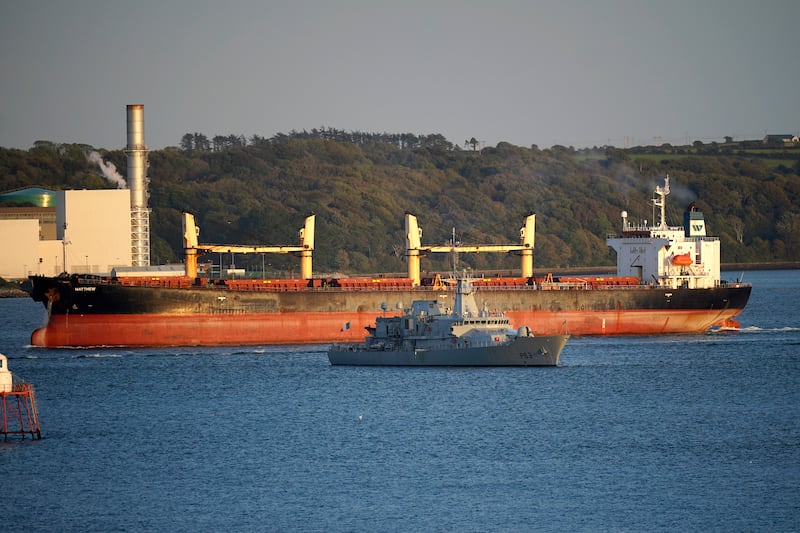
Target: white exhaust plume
column 108, row 169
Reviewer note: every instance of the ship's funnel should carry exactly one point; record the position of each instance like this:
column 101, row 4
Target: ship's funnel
column 137, row 151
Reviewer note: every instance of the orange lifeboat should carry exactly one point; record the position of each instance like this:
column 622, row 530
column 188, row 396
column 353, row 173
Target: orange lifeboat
column 682, row 260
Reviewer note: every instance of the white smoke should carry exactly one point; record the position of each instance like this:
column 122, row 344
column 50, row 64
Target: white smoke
column 109, row 170
column 682, row 194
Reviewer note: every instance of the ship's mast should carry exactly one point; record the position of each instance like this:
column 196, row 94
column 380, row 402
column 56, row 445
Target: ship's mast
column 455, row 251
column 660, row 202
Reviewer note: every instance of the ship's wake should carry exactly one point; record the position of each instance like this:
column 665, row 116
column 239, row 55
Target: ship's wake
column 758, row 329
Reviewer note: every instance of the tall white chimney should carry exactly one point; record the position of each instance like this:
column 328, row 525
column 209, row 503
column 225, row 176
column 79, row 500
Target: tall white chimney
column 137, row 151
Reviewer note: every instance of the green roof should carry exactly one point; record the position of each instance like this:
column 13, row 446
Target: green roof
column 34, row 196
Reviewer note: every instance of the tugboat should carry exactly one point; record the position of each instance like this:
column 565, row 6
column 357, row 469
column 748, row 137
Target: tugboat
column 465, row 336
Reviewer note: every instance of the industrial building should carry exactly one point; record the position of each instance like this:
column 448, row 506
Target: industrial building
column 85, row 232
column 80, row 231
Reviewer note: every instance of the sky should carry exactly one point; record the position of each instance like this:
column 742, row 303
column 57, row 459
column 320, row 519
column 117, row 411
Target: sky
column 578, row 73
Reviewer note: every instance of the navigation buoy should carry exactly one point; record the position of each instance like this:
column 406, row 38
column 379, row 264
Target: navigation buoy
column 18, row 401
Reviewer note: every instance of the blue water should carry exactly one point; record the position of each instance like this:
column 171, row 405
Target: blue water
column 671, row 433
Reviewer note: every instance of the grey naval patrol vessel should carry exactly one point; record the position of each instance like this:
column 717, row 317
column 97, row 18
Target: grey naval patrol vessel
column 429, row 336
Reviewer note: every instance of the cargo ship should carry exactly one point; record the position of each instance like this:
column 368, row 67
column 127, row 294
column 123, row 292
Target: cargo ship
column 667, row 282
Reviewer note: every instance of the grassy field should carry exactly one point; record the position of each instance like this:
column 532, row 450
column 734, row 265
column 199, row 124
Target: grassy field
column 771, row 157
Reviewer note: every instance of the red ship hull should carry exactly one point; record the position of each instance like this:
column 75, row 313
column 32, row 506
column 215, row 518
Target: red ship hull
column 87, row 313
column 321, row 328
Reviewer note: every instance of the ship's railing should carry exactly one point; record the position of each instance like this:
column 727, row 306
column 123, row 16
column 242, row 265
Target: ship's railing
column 566, row 286
column 429, row 346
column 646, row 227
column 653, row 233
column 369, row 285
column 462, row 343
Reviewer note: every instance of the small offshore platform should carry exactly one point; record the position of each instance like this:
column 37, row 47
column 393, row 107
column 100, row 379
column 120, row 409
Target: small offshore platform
column 18, row 400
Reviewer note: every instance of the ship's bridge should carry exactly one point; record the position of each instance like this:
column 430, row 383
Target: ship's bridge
column 668, row 256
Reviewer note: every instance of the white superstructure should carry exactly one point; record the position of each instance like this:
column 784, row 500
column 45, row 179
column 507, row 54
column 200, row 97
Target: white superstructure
column 668, row 256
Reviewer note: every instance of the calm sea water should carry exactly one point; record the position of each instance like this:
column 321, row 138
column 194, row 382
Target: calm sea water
column 628, row 434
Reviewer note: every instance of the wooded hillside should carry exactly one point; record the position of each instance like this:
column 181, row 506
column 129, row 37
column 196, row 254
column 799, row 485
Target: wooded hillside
column 361, row 185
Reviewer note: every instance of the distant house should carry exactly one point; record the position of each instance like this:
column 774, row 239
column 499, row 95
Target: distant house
column 781, row 140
